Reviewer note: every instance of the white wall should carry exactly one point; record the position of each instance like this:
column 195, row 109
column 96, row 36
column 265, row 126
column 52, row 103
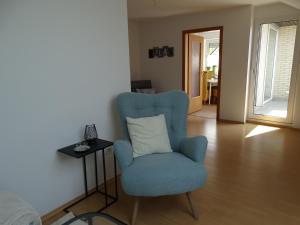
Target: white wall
column 166, row 73
column 61, row 65
column 134, row 50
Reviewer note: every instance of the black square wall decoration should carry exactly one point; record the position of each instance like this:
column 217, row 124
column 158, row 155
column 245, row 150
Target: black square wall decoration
column 170, row 52
column 151, row 53
column 164, row 51
column 161, row 53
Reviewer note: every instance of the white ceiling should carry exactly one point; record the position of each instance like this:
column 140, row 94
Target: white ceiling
column 138, row 9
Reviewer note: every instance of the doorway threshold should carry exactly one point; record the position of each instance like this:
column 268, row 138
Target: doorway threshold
column 270, row 123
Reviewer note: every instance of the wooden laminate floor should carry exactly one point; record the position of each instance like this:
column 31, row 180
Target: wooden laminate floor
column 207, row 112
column 253, row 179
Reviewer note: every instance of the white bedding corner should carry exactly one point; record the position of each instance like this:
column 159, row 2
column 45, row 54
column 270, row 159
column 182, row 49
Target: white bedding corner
column 16, row 211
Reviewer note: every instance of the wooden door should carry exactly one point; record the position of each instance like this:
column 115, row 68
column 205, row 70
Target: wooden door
column 195, row 69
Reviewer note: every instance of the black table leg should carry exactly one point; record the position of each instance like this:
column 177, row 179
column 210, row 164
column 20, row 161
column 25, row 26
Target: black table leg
column 96, row 171
column 116, row 178
column 104, row 176
column 97, row 146
column 85, row 179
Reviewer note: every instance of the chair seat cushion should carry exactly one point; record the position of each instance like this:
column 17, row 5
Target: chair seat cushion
column 162, row 174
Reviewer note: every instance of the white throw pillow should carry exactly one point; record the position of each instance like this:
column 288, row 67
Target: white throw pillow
column 148, row 135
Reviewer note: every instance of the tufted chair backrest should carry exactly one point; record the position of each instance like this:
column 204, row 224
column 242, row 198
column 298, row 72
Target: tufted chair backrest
column 173, row 104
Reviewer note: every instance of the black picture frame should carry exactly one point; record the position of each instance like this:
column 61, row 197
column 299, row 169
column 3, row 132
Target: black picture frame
column 165, row 50
column 170, row 52
column 156, row 51
column 151, row 53
column 161, row 52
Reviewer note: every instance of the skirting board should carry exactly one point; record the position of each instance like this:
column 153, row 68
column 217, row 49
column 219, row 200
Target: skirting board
column 229, row 121
column 60, row 208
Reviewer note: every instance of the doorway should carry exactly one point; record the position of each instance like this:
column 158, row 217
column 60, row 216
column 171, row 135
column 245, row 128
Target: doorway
column 272, row 87
column 201, row 72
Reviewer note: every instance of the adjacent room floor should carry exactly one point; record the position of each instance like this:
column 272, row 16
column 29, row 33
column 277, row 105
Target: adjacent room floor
column 208, row 112
column 253, row 178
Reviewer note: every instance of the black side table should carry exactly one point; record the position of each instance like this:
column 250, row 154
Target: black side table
column 97, row 145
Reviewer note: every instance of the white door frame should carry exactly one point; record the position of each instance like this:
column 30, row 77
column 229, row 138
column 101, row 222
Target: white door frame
column 254, row 69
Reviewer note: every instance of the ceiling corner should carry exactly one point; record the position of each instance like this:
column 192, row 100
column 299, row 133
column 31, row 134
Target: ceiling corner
column 292, row 3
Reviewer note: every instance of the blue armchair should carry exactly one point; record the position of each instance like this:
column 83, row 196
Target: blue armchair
column 181, row 171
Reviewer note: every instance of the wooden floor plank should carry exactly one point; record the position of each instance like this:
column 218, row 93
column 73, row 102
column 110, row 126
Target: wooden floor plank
column 251, row 180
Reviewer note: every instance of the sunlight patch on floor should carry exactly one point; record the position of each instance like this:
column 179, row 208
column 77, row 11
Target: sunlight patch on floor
column 260, row 129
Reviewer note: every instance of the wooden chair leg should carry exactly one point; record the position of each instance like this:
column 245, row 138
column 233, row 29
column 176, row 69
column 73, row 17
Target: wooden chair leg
column 194, row 213
column 135, row 211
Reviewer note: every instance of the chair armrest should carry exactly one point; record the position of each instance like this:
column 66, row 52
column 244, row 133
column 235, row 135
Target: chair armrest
column 123, row 153
column 194, row 148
